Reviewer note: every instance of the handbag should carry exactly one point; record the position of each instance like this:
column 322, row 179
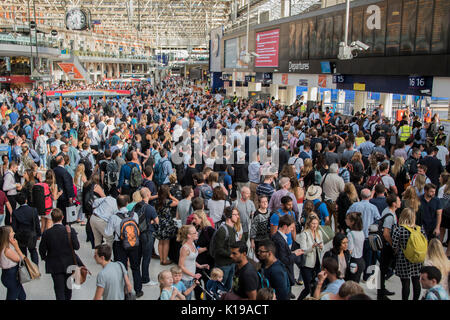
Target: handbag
column 327, row 233
column 23, row 273
column 80, row 273
column 72, row 213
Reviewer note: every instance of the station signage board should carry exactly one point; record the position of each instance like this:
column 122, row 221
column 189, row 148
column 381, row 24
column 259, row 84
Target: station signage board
column 267, row 47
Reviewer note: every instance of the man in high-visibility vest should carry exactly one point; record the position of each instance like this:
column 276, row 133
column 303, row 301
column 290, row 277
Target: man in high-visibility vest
column 327, row 115
column 405, row 131
column 235, row 98
column 427, row 116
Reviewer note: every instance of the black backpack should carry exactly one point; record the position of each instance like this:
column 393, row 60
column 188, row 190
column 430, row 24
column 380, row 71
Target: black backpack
column 139, row 208
column 417, row 135
column 88, row 199
column 376, row 237
column 87, row 165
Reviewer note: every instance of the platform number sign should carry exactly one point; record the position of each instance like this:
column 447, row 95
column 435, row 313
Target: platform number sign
column 416, row 82
column 338, row 78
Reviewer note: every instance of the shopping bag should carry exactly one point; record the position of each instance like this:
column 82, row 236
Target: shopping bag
column 33, row 269
column 72, row 213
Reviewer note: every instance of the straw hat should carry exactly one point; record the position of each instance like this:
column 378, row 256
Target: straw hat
column 313, row 193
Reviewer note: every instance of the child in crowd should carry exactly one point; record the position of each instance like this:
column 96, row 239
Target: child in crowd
column 177, row 283
column 167, row 290
column 215, row 285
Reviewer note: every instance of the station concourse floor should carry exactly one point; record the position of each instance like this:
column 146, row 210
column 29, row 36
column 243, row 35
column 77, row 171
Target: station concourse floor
column 42, row 289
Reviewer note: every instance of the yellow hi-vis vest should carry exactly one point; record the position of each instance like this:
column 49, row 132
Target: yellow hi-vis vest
column 406, row 132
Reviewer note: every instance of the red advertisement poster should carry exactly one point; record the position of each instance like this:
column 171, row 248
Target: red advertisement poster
column 267, row 48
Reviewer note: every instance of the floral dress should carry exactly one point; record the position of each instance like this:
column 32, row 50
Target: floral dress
column 167, row 227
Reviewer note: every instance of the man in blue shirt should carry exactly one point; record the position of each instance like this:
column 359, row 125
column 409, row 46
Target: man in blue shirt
column 125, row 174
column 369, row 214
column 146, row 238
column 314, row 194
column 274, row 271
column 430, row 276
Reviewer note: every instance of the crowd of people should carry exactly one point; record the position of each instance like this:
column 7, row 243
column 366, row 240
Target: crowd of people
column 246, row 198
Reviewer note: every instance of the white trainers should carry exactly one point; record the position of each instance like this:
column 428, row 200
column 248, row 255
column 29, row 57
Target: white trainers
column 151, row 283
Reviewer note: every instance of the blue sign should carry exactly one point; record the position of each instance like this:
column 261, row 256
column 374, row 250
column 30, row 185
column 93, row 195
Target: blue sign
column 58, row 94
column 325, row 66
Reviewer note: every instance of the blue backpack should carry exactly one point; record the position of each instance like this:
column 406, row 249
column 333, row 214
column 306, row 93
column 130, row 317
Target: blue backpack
column 159, row 172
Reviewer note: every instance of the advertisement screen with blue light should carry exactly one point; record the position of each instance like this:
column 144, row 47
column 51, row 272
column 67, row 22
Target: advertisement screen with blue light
column 326, row 67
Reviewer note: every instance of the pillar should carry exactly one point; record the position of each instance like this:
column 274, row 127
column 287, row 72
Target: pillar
column 360, row 101
column 312, row 93
column 103, row 70
column 386, row 100
column 285, row 8
column 118, row 70
column 273, row 90
column 291, row 95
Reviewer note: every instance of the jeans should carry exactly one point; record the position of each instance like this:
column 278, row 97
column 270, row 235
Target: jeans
column 228, row 273
column 122, row 255
column 2, row 217
column 62, row 292
column 43, row 160
column 369, row 258
column 188, row 284
column 308, row 275
column 11, row 282
column 33, row 254
column 145, row 252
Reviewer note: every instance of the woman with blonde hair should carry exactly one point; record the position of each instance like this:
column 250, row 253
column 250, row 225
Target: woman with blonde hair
column 410, row 199
column 188, row 256
column 205, row 233
column 436, row 257
column 79, row 180
column 343, row 202
column 312, row 244
column 136, row 198
column 406, row 270
column 400, row 175
column 419, row 184
column 307, row 173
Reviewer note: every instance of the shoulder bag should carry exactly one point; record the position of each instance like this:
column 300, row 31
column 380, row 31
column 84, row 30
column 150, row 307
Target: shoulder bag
column 129, row 295
column 80, row 273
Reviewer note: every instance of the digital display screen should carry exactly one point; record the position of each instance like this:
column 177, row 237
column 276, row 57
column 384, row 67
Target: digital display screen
column 267, row 48
column 325, row 66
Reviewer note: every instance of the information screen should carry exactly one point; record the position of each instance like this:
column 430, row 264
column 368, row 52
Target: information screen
column 267, row 43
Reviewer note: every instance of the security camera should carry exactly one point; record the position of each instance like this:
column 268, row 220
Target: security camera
column 360, row 45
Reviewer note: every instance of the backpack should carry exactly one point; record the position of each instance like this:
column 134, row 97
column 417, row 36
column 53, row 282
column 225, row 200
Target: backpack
column 206, row 193
column 416, row 247
column 212, row 247
column 159, row 173
column 417, row 135
column 87, row 165
column 42, row 199
column 42, row 148
column 129, row 230
column 88, row 199
column 135, row 177
column 376, row 238
column 373, row 181
column 140, row 211
column 36, row 133
column 112, row 173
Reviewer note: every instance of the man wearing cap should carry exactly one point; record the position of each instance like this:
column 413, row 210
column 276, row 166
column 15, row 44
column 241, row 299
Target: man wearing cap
column 275, row 200
column 314, row 194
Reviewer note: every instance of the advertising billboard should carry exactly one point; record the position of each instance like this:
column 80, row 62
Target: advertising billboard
column 234, row 54
column 214, row 50
column 267, row 48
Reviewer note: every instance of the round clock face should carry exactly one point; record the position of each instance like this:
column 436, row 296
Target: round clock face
column 76, row 19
